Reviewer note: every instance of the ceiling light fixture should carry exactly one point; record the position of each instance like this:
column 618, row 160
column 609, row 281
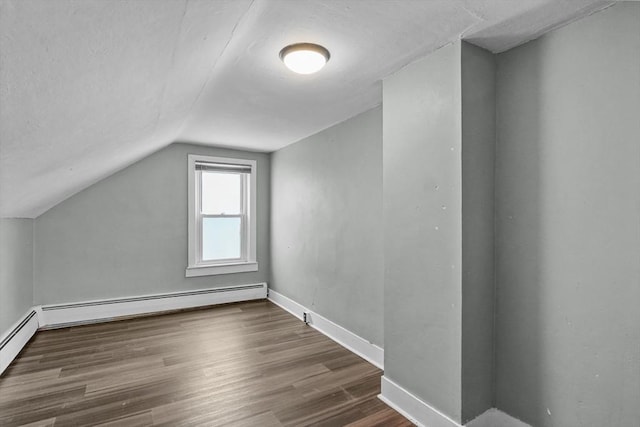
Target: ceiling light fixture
column 304, row 58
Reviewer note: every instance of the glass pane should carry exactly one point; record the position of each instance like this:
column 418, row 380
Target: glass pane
column 220, row 238
column 220, row 193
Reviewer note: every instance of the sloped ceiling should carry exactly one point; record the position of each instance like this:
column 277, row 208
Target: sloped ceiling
column 89, row 87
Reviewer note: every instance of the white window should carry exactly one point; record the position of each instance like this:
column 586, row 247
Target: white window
column 222, row 215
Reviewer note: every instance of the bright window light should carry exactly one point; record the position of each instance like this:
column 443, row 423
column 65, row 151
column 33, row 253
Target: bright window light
column 222, row 215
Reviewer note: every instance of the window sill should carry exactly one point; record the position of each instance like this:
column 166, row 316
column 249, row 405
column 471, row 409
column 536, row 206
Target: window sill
column 211, row 270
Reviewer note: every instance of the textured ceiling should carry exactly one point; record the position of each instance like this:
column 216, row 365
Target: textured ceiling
column 89, row 87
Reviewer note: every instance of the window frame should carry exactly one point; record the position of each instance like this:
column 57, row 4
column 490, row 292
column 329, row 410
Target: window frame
column 247, row 261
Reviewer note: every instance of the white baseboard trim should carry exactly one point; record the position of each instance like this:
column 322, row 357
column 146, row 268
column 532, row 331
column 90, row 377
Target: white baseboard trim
column 415, row 410
column 424, row 415
column 352, row 342
column 16, row 337
column 63, row 315
column 495, row 418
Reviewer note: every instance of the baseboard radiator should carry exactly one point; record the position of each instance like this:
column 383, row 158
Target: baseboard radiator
column 80, row 313
column 65, row 315
column 16, row 337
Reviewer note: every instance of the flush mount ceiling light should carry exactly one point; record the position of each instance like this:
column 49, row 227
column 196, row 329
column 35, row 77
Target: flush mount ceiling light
column 304, row 58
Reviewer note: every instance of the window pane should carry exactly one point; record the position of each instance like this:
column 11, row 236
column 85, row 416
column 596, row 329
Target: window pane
column 220, row 193
column 220, row 238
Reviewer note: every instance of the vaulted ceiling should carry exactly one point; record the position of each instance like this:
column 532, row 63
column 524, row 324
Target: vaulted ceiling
column 89, row 87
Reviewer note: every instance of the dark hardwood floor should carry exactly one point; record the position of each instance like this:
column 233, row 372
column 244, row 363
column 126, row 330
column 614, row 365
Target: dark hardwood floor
column 246, row 364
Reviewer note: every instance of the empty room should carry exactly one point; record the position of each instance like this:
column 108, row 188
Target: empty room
column 320, row 213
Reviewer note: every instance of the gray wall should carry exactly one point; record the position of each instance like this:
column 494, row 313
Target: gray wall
column 16, row 270
column 568, row 224
column 422, row 228
column 326, row 224
column 478, row 279
column 127, row 235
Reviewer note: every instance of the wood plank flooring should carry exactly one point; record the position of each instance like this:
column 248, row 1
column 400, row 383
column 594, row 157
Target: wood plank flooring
column 246, row 364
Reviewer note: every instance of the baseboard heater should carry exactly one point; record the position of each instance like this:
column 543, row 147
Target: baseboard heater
column 65, row 315
column 85, row 312
column 16, row 338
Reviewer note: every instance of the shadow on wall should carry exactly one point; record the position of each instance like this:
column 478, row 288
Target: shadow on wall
column 568, row 235
column 519, row 347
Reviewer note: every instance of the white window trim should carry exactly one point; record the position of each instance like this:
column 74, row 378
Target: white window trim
column 195, row 269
